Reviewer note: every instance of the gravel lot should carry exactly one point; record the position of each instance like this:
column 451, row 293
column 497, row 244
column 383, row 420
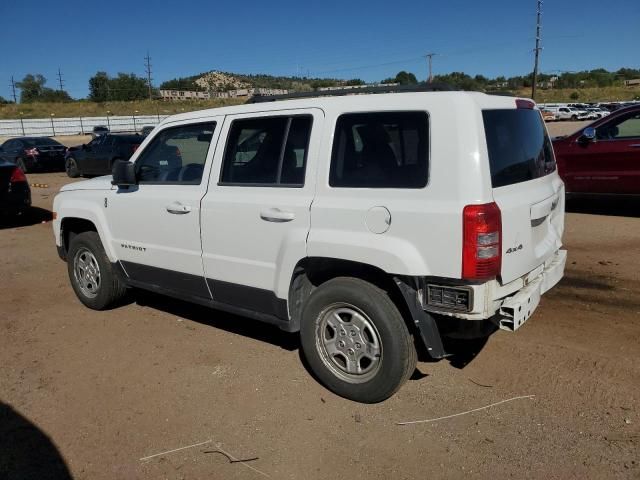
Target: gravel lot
column 87, row 395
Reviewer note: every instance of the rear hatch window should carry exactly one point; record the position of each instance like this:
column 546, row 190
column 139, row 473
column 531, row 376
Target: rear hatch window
column 519, row 147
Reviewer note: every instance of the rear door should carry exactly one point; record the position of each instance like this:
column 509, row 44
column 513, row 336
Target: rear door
column 256, row 213
column 526, row 187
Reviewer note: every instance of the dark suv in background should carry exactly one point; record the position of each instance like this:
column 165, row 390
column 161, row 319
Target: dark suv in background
column 97, row 156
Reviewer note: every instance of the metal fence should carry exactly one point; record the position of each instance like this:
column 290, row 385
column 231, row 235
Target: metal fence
column 75, row 125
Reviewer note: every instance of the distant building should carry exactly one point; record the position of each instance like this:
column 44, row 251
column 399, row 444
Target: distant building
column 171, row 95
column 632, row 83
column 179, row 95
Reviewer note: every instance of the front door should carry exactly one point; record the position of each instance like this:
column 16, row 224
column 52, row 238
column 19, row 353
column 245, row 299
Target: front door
column 256, row 214
column 156, row 224
column 610, row 163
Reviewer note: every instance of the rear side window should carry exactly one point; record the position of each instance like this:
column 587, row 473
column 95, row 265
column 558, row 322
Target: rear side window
column 518, row 145
column 267, row 151
column 380, row 150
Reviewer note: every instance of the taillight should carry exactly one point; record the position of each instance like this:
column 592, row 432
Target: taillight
column 33, row 152
column 17, row 176
column 482, row 243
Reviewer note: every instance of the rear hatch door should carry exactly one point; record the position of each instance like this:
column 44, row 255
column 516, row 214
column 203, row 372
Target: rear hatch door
column 526, row 188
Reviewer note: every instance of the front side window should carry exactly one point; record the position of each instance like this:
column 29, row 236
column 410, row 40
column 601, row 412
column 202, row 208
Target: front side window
column 267, row 151
column 176, row 155
column 380, row 150
column 625, row 127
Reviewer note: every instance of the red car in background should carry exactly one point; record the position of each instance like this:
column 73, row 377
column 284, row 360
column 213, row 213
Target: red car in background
column 604, row 158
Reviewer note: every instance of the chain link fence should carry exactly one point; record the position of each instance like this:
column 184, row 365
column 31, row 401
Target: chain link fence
column 53, row 126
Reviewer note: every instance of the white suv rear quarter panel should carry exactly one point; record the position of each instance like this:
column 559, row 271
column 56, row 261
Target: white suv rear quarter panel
column 425, row 235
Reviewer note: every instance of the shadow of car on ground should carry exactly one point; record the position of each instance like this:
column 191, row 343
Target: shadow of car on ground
column 30, row 216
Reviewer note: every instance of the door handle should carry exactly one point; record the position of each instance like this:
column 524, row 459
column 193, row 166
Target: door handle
column 277, row 215
column 635, row 145
column 178, row 209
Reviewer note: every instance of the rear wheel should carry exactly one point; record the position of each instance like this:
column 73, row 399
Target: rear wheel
column 71, row 167
column 356, row 341
column 92, row 276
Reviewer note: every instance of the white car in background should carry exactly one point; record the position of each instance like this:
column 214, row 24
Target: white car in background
column 566, row 113
column 598, row 112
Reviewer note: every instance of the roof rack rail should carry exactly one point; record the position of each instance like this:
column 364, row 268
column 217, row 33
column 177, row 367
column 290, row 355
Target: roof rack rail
column 429, row 87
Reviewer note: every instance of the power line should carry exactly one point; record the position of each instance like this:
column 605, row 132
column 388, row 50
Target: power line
column 429, row 57
column 537, row 51
column 148, row 68
column 13, row 89
column 60, row 81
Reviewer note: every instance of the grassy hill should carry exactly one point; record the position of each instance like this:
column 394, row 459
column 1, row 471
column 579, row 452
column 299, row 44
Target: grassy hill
column 91, row 109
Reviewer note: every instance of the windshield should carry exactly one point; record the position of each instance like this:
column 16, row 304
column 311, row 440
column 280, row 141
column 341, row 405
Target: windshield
column 518, row 146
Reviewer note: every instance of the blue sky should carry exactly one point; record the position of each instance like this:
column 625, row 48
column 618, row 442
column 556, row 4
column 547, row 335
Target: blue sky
column 344, row 39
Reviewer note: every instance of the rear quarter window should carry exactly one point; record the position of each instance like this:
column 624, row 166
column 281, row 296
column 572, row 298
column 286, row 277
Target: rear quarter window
column 380, row 150
column 518, row 145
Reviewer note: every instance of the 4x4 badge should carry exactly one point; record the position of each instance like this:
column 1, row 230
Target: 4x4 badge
column 514, row 249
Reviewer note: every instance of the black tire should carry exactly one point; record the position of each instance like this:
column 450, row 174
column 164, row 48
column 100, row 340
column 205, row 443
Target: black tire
column 21, row 165
column 397, row 354
column 574, row 117
column 71, row 167
column 107, row 290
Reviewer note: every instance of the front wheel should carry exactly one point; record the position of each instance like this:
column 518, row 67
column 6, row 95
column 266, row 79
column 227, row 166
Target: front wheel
column 71, row 167
column 92, row 276
column 356, row 341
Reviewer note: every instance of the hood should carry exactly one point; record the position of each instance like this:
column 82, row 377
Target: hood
column 98, row 183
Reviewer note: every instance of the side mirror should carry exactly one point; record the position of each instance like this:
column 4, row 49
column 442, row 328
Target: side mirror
column 124, row 174
column 589, row 134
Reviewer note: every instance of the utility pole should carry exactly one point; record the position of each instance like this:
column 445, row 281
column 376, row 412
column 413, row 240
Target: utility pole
column 429, row 57
column 60, row 81
column 147, row 64
column 13, row 89
column 537, row 51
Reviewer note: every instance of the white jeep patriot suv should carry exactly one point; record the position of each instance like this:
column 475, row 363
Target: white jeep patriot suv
column 369, row 223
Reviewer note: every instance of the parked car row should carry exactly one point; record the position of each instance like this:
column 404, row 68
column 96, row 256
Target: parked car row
column 565, row 112
column 580, row 111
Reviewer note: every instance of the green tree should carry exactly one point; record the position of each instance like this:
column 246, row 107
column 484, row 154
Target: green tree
column 99, row 87
column 574, row 96
column 124, row 87
column 31, row 87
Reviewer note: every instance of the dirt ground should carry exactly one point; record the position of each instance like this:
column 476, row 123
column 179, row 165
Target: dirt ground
column 89, row 395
